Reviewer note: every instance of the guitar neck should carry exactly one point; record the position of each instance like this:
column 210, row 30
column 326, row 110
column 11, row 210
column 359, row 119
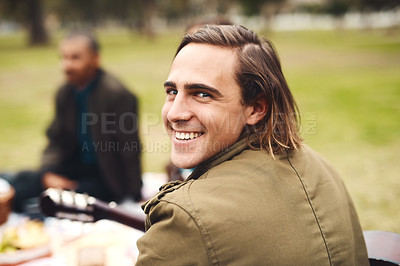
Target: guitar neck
column 79, row 207
column 114, row 213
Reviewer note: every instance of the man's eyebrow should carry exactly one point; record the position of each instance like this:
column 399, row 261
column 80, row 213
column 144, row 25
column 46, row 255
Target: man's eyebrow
column 169, row 84
column 196, row 86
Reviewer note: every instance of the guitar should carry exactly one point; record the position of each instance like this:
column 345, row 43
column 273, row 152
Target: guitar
column 65, row 204
column 383, row 248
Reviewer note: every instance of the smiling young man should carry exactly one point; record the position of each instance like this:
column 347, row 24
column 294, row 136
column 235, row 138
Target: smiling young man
column 257, row 196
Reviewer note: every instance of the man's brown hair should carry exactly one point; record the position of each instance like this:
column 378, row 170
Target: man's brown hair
column 259, row 74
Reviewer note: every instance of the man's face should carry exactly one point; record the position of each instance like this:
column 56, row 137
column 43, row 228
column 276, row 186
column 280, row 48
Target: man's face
column 203, row 113
column 78, row 61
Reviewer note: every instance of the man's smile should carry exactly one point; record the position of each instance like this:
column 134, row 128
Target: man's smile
column 187, row 135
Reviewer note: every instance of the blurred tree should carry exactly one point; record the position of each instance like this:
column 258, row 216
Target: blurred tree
column 149, row 8
column 255, row 7
column 73, row 12
column 30, row 14
column 338, row 8
column 135, row 14
column 223, row 6
column 189, row 11
column 174, row 10
column 378, row 4
column 38, row 34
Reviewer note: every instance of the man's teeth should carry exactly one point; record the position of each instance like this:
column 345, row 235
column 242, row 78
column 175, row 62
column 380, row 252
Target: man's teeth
column 187, row 136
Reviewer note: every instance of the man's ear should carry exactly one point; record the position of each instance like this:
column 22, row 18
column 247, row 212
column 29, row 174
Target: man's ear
column 258, row 110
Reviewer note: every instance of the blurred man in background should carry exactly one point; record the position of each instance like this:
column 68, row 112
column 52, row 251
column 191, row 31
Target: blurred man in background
column 257, row 195
column 93, row 141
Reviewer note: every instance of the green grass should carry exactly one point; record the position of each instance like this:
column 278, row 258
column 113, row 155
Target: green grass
column 347, row 85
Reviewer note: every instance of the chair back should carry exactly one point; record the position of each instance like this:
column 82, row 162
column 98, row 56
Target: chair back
column 383, row 248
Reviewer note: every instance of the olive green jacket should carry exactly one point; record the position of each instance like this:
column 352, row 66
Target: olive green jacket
column 243, row 207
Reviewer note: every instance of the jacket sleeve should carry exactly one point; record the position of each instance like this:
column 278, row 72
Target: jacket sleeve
column 172, row 239
column 58, row 141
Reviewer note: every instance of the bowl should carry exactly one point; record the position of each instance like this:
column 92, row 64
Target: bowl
column 7, row 193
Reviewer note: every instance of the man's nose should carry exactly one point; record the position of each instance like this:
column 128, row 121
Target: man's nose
column 66, row 64
column 180, row 109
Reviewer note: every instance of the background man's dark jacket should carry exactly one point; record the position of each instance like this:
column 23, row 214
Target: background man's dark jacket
column 114, row 134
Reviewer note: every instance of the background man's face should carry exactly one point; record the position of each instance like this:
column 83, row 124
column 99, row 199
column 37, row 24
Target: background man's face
column 203, row 113
column 78, row 62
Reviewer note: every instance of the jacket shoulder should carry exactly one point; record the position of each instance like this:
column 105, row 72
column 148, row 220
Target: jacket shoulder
column 112, row 83
column 173, row 229
column 112, row 90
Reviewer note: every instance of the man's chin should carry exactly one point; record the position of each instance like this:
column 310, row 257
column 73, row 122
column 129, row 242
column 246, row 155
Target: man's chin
column 184, row 162
column 70, row 81
column 184, row 165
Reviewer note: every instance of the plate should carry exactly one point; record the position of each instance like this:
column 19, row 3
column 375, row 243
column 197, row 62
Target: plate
column 20, row 256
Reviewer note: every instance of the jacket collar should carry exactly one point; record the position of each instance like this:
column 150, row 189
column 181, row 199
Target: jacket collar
column 201, row 169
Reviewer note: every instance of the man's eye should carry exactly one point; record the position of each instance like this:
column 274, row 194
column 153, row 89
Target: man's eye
column 171, row 92
column 204, row 95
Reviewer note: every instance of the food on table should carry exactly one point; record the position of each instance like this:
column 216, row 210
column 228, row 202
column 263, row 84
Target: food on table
column 30, row 234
